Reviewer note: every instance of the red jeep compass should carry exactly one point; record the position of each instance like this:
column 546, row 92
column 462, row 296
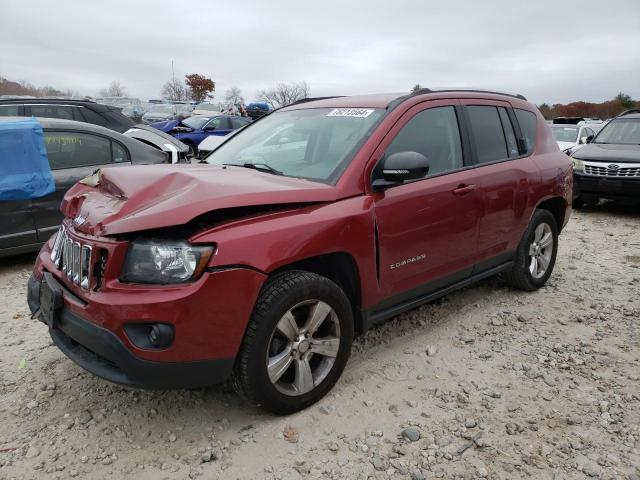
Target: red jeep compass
column 310, row 225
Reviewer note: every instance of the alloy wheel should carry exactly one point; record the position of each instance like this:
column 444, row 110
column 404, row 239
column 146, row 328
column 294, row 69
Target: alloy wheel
column 541, row 250
column 303, row 347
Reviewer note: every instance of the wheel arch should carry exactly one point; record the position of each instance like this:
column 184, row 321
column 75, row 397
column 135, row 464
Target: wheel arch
column 339, row 267
column 557, row 206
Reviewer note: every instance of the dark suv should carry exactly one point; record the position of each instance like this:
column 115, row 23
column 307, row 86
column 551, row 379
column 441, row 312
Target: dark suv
column 609, row 166
column 78, row 110
column 308, row 226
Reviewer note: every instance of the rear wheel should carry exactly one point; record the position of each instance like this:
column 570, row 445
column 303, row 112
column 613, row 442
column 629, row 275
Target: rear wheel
column 297, row 343
column 536, row 254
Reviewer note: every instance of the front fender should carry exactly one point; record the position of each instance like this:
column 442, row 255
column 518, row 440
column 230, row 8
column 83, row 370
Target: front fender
column 272, row 241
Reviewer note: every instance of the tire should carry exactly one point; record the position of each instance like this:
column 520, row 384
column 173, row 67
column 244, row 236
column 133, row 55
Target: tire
column 524, row 275
column 288, row 385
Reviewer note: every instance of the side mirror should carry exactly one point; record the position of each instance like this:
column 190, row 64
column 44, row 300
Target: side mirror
column 400, row 167
column 582, row 140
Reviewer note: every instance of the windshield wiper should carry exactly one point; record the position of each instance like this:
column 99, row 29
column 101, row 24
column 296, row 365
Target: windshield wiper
column 261, row 167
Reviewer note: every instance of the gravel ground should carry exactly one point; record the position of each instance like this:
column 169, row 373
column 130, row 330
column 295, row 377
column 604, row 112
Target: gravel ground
column 485, row 383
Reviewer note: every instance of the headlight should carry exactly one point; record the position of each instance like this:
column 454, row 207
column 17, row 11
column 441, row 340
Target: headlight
column 161, row 261
column 578, row 165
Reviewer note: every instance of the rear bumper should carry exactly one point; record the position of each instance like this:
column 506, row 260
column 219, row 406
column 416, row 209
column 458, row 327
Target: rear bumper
column 603, row 187
column 101, row 352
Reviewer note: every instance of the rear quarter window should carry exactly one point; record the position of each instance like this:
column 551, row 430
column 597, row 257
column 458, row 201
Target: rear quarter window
column 527, row 121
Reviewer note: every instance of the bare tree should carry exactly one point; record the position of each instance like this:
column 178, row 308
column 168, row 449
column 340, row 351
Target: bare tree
column 416, row 88
column 284, row 94
column 115, row 89
column 234, row 95
column 175, row 90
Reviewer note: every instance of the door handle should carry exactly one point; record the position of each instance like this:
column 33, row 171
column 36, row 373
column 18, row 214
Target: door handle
column 463, row 189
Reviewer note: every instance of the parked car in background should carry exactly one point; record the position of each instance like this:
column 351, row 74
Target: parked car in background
column 609, row 166
column 175, row 150
column 206, row 108
column 162, row 112
column 196, row 128
column 258, row 109
column 571, row 137
column 79, row 110
column 264, row 267
column 75, row 150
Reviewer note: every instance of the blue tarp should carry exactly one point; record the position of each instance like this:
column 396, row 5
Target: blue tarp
column 24, row 167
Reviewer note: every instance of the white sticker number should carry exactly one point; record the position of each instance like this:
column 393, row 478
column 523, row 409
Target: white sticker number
column 350, row 112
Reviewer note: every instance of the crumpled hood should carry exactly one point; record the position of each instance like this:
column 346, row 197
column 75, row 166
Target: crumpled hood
column 119, row 200
column 609, row 153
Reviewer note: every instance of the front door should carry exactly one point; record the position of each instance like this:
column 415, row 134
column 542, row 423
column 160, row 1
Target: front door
column 427, row 229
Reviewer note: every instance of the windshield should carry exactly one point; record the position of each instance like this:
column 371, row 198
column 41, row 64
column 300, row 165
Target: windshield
column 565, row 134
column 195, row 122
column 622, row 131
column 161, row 109
column 316, row 144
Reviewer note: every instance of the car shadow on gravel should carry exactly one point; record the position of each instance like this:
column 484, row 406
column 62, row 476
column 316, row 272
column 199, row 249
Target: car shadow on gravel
column 612, row 208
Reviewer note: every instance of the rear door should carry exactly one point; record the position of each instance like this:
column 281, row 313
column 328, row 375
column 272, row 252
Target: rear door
column 72, row 155
column 503, row 174
column 427, row 229
column 18, row 225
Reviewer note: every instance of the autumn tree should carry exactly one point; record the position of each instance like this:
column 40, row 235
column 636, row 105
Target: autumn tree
column 625, row 100
column 115, row 89
column 201, row 87
column 284, row 94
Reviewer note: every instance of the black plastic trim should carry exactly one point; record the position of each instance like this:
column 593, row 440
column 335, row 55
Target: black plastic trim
column 384, row 311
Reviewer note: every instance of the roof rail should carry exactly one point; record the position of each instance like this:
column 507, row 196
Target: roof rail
column 462, row 90
column 313, row 99
column 628, row 112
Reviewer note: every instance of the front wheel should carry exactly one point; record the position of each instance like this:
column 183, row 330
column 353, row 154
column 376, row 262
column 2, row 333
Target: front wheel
column 297, row 342
column 536, row 254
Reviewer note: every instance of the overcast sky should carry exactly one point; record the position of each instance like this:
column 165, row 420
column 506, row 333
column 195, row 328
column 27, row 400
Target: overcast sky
column 548, row 50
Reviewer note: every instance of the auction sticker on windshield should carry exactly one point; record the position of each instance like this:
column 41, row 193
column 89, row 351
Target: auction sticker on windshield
column 350, row 112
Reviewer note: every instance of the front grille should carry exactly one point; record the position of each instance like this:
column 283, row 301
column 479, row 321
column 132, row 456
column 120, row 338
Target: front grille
column 72, row 258
column 612, row 169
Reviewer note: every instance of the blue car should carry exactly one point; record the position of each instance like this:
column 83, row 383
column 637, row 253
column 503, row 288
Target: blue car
column 193, row 130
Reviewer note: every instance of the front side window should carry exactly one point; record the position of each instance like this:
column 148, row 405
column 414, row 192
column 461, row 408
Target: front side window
column 52, row 111
column 196, row 122
column 218, row 123
column 624, row 131
column 487, row 133
column 435, row 134
column 237, row 123
column 315, row 143
column 71, row 149
column 527, row 121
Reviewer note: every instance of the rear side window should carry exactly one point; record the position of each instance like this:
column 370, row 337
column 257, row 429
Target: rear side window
column 509, row 134
column 52, row 111
column 435, row 134
column 72, row 149
column 119, row 153
column 9, row 110
column 92, row 117
column 527, row 122
column 487, row 133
